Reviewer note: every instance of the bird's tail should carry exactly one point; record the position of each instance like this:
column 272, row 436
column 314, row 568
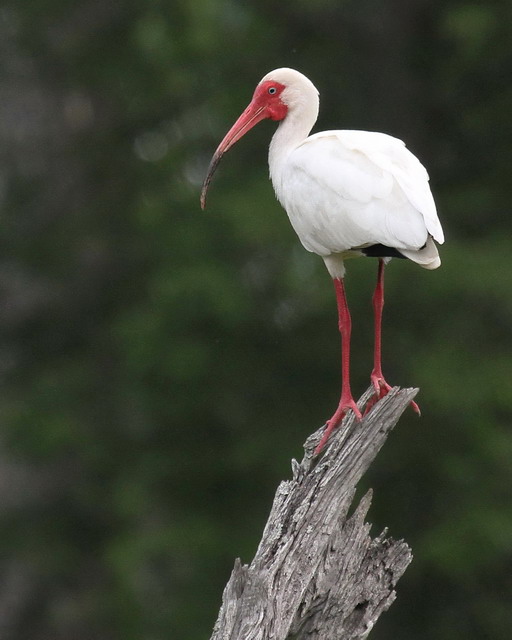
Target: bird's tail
column 427, row 257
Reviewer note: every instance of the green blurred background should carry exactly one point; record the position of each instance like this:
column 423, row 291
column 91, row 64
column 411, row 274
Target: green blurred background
column 160, row 365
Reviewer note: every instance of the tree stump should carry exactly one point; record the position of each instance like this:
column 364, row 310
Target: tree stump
column 317, row 573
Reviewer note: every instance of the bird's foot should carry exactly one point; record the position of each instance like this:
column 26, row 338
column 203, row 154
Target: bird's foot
column 346, row 404
column 382, row 388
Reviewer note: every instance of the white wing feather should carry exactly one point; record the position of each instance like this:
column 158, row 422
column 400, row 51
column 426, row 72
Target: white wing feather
column 347, row 189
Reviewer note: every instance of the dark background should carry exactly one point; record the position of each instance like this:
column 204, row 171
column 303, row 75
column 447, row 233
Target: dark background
column 160, row 366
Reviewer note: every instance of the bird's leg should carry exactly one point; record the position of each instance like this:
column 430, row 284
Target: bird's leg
column 377, row 378
column 346, row 400
column 379, row 384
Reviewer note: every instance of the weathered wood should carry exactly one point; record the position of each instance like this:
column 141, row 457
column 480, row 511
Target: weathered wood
column 317, row 574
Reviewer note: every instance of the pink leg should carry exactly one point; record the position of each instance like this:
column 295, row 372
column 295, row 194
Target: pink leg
column 379, row 383
column 346, row 400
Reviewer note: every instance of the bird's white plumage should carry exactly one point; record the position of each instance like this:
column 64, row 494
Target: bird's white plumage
column 345, row 190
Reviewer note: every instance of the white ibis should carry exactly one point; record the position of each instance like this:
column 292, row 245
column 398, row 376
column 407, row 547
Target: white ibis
column 347, row 194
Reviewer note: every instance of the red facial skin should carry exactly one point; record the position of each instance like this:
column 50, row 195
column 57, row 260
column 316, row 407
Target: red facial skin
column 266, row 103
column 268, row 95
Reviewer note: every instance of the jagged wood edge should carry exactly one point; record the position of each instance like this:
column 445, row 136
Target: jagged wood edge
column 317, row 573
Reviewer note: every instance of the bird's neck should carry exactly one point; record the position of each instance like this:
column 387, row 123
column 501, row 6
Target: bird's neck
column 290, row 133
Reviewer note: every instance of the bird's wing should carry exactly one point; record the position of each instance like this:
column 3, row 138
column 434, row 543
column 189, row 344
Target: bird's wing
column 391, row 155
column 364, row 188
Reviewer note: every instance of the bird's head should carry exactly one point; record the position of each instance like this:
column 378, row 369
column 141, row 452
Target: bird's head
column 280, row 93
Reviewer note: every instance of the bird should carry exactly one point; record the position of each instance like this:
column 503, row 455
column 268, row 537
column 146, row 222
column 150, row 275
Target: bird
column 347, row 193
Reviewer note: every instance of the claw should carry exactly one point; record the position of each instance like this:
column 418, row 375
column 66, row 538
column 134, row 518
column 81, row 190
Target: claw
column 382, row 388
column 338, row 416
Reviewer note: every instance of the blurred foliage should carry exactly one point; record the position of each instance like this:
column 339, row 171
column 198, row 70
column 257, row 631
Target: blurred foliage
column 160, row 366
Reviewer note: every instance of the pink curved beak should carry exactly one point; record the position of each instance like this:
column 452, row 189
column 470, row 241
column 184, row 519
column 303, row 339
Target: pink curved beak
column 253, row 114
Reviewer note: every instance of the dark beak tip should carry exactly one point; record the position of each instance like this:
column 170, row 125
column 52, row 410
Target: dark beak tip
column 202, row 199
column 214, row 163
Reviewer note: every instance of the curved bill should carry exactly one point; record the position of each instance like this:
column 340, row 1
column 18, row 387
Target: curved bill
column 250, row 117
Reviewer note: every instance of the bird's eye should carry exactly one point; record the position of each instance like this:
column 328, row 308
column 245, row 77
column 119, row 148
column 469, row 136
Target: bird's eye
column 272, row 90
